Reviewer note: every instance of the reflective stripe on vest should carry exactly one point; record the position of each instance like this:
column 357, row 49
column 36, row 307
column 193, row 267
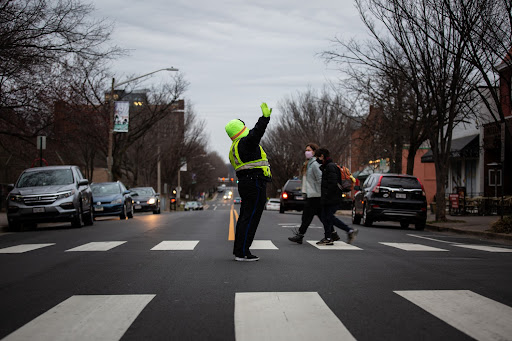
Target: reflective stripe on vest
column 237, row 163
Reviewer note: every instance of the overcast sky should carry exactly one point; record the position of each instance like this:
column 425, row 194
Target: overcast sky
column 235, row 54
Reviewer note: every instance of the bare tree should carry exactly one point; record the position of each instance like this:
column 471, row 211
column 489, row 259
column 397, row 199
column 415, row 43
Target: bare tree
column 413, row 36
column 308, row 117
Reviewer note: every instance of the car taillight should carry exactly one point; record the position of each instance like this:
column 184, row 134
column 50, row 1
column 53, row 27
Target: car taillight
column 377, row 188
column 422, row 189
column 285, row 195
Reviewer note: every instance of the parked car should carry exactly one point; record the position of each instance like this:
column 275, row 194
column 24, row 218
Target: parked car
column 273, row 204
column 390, row 197
column 193, row 206
column 145, row 199
column 112, row 199
column 291, row 196
column 50, row 194
column 237, row 200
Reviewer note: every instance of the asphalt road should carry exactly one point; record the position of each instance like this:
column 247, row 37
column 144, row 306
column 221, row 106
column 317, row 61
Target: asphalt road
column 172, row 277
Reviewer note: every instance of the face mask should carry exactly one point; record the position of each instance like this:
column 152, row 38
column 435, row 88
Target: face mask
column 309, row 154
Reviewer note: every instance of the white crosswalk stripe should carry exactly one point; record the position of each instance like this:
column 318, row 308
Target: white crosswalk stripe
column 176, row 245
column 286, row 316
column 263, row 245
column 484, row 248
column 412, row 247
column 95, row 317
column 24, row 248
column 477, row 316
column 96, row 246
column 338, row 245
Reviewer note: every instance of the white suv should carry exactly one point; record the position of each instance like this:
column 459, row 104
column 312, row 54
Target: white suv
column 50, row 194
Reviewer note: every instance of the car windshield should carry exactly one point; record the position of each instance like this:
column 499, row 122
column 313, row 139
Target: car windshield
column 275, row 201
column 400, row 182
column 293, row 185
column 105, row 189
column 142, row 191
column 49, row 177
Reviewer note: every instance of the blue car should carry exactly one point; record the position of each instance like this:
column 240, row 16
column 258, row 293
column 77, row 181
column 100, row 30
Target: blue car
column 111, row 199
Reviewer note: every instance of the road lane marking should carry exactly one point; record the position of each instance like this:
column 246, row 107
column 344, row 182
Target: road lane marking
column 176, row 245
column 97, row 246
column 94, row 317
column 286, row 316
column 412, row 247
column 436, row 240
column 484, row 248
column 473, row 314
column 231, row 233
column 24, row 248
column 263, row 245
column 338, row 245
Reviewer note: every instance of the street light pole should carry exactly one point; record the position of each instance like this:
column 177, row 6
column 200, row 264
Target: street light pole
column 110, row 160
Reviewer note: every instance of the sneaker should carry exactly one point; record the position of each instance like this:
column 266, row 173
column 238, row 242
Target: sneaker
column 352, row 235
column 297, row 238
column 325, row 241
column 335, row 236
column 250, row 258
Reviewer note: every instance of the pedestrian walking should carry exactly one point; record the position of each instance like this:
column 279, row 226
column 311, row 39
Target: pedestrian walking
column 311, row 190
column 331, row 198
column 253, row 172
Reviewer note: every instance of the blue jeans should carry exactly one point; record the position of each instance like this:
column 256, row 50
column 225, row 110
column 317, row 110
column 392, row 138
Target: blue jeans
column 330, row 220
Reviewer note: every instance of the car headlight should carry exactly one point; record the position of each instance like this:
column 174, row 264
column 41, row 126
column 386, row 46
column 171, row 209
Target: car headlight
column 15, row 198
column 66, row 194
column 117, row 201
column 151, row 201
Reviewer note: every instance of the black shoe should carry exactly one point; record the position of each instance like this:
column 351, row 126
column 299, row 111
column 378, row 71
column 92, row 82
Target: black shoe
column 352, row 235
column 297, row 238
column 249, row 258
column 334, row 236
column 325, row 241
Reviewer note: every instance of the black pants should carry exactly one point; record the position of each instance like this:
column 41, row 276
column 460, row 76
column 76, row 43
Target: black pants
column 254, row 195
column 312, row 208
column 330, row 220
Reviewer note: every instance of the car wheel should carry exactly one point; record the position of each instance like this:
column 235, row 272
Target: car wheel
column 404, row 224
column 420, row 225
column 355, row 218
column 130, row 213
column 367, row 221
column 122, row 216
column 14, row 225
column 281, row 209
column 88, row 218
column 78, row 221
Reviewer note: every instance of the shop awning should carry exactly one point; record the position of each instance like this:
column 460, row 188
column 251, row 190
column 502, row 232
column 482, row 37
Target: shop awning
column 464, row 147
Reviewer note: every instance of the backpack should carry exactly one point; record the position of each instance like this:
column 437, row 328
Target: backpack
column 345, row 184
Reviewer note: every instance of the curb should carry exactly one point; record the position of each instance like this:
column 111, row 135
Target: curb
column 485, row 234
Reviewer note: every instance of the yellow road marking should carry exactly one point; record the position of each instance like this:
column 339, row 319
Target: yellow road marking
column 231, row 235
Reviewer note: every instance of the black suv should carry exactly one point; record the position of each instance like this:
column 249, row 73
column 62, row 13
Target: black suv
column 390, row 197
column 291, row 196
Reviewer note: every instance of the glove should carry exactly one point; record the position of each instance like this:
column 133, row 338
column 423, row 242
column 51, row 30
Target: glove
column 265, row 110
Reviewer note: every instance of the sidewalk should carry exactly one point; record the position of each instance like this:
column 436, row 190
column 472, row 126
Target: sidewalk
column 471, row 225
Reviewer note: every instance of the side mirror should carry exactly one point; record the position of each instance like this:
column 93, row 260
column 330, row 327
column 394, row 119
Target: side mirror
column 357, row 188
column 83, row 182
column 157, row 194
column 127, row 192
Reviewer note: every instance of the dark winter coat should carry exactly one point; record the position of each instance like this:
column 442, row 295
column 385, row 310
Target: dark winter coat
column 331, row 194
column 249, row 149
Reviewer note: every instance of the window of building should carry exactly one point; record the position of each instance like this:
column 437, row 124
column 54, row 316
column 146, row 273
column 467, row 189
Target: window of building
column 494, row 177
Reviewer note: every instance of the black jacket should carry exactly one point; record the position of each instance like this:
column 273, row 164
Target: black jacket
column 249, row 149
column 331, row 194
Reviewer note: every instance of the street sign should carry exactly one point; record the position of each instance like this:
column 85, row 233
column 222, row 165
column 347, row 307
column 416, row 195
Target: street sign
column 41, row 142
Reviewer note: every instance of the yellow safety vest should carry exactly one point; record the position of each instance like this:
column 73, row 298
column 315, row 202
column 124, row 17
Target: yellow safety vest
column 262, row 163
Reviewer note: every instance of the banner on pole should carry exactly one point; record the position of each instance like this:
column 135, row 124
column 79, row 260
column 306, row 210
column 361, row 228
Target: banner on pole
column 121, row 116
